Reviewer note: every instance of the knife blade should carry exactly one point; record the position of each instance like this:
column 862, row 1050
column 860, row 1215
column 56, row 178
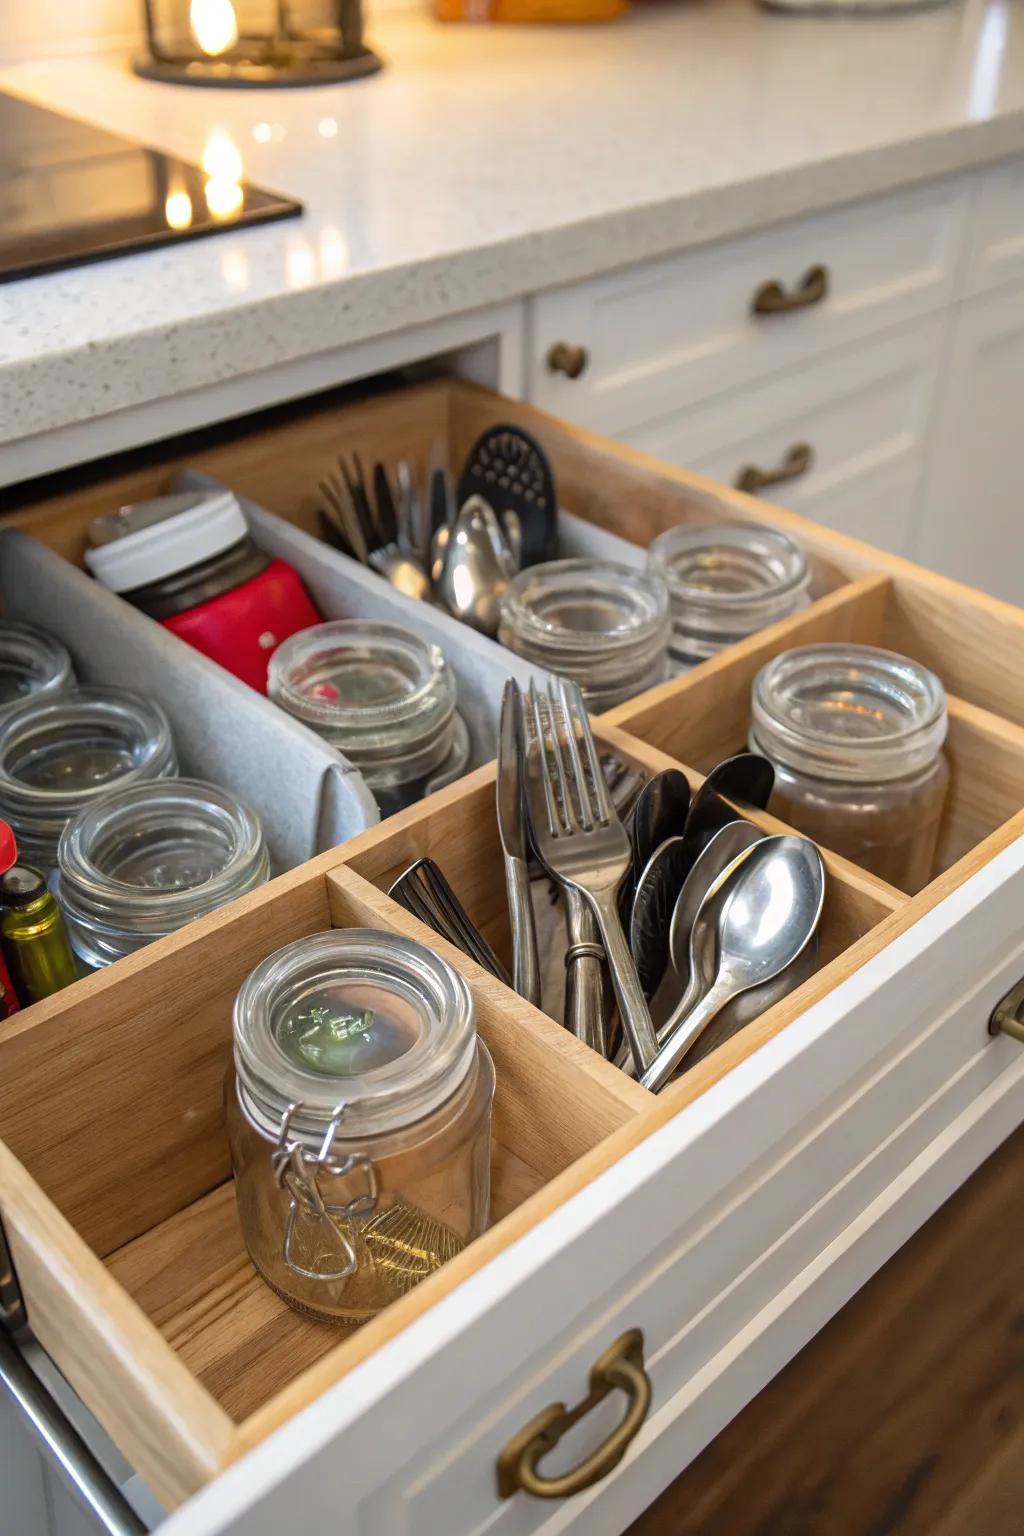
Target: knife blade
column 512, row 832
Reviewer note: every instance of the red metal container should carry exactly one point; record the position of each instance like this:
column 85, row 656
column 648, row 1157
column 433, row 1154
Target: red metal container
column 190, row 563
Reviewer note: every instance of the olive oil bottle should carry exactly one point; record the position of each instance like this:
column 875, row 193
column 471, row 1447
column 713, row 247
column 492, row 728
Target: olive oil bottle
column 35, row 941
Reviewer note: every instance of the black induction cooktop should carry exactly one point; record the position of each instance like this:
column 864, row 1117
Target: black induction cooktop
column 71, row 193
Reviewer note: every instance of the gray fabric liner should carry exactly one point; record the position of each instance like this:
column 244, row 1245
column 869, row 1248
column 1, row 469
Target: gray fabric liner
column 306, row 795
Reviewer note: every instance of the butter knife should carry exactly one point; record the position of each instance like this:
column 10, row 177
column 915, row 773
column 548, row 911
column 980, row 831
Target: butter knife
column 512, row 831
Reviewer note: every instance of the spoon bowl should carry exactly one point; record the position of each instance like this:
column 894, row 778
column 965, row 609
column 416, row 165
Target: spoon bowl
column 754, row 922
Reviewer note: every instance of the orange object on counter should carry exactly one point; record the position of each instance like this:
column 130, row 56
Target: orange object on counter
column 531, row 11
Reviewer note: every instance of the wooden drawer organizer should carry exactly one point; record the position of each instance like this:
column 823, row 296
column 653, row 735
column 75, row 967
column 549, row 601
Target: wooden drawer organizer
column 115, row 1182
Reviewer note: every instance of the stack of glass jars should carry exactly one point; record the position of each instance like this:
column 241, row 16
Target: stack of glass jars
column 359, row 1116
column 603, row 624
column 380, row 695
column 725, row 582
column 60, row 753
column 145, row 860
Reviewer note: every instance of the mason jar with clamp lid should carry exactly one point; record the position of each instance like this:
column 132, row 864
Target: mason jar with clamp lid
column 359, row 1114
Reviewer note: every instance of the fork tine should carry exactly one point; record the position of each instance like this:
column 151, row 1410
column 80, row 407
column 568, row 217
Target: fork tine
column 575, row 710
column 569, row 815
column 588, row 811
column 537, row 752
column 588, row 817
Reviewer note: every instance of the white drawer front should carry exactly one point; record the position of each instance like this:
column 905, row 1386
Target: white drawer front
column 673, row 332
column 997, row 228
column 863, row 413
column 707, row 1236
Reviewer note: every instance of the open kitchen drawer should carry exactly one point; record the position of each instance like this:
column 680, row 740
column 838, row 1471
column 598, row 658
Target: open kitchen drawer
column 725, row 1219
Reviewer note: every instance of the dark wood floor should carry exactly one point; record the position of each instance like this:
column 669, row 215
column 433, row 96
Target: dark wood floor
column 905, row 1415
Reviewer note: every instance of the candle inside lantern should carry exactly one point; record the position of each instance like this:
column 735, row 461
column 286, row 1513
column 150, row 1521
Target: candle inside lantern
column 214, row 25
column 178, row 209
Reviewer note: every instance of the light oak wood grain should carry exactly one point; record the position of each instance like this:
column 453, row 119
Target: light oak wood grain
column 278, row 464
column 106, row 1347
column 192, row 1278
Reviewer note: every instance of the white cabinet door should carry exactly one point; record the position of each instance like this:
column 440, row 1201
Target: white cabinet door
column 971, row 523
column 862, row 415
column 997, row 228
column 668, row 334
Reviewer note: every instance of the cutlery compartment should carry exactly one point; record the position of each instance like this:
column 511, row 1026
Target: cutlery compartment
column 457, row 828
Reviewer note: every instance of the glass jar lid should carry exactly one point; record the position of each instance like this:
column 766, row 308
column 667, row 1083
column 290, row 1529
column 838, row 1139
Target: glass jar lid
column 376, row 691
column 368, row 1019
column 59, row 753
column 147, row 859
column 31, row 663
column 729, row 577
column 564, row 614
column 848, row 712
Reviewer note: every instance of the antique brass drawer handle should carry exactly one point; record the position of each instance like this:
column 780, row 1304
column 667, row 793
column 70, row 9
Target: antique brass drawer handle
column 772, row 299
column 1008, row 1014
column 565, row 357
column 798, row 460
column 621, row 1366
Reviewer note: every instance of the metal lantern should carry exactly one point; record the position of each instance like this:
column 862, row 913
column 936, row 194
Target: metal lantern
column 255, row 43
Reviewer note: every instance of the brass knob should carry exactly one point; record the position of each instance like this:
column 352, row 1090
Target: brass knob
column 772, row 299
column 621, row 1366
column 1008, row 1014
column 796, row 462
column 565, row 357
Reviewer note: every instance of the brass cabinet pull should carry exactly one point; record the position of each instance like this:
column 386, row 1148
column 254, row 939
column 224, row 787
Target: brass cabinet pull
column 772, row 299
column 1008, row 1014
column 797, row 461
column 565, row 357
column 621, row 1366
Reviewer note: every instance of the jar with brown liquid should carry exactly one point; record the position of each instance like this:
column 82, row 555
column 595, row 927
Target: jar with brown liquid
column 855, row 734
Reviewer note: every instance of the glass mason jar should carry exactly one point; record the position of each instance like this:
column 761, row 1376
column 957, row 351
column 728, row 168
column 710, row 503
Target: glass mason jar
column 725, row 582
column 359, row 1113
column 31, row 663
column 383, row 697
column 856, row 736
column 145, row 860
column 58, row 754
column 603, row 624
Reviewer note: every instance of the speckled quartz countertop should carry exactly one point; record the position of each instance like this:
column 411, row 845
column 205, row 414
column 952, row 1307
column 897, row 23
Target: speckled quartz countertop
column 488, row 163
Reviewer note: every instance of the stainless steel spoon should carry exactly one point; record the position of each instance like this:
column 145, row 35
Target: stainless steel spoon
column 476, row 568
column 725, row 847
column 755, row 920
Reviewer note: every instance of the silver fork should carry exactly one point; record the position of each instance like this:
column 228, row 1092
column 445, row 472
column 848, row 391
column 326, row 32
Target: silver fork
column 579, row 837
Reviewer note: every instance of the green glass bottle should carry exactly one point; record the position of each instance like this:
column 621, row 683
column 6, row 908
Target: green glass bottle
column 35, row 941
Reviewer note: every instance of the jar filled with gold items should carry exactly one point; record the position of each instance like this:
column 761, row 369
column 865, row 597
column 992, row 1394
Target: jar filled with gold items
column 359, row 1113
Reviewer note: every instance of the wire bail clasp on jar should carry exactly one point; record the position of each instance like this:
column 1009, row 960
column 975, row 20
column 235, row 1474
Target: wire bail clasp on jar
column 299, row 1173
